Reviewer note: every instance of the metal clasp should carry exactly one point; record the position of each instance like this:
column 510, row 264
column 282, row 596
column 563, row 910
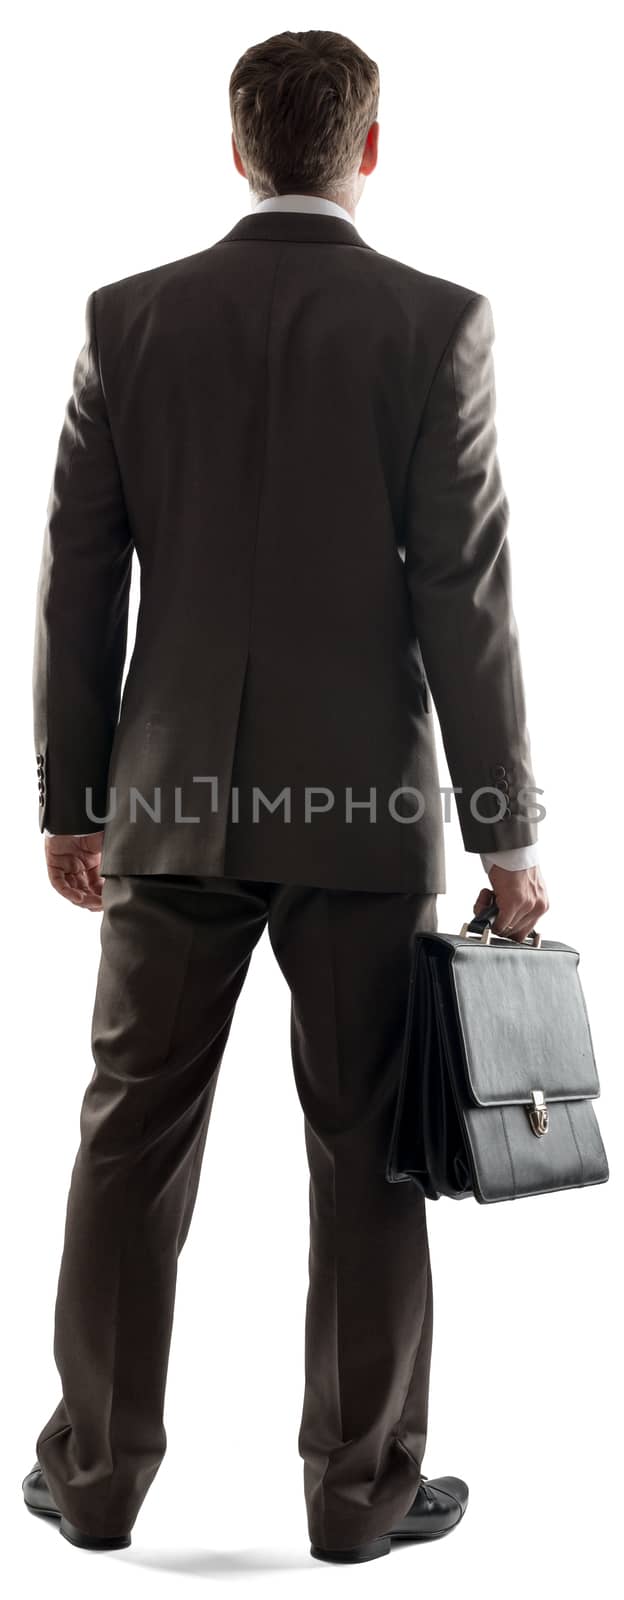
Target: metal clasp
column 484, row 938
column 538, row 1113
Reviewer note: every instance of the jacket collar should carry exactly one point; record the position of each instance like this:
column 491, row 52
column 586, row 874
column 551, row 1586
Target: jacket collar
column 297, row 226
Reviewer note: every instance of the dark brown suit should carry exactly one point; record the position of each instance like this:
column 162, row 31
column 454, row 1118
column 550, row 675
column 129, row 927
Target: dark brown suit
column 297, row 436
column 272, row 424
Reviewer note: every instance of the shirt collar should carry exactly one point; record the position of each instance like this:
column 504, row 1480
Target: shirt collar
column 303, row 202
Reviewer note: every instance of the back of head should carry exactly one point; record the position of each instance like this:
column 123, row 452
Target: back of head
column 302, row 105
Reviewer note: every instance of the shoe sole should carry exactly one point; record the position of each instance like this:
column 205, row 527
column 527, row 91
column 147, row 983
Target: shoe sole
column 426, row 1538
column 82, row 1541
column 381, row 1546
column 358, row 1552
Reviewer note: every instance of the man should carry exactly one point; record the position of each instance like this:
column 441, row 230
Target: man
column 296, row 435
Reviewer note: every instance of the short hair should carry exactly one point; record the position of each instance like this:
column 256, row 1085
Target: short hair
column 301, row 106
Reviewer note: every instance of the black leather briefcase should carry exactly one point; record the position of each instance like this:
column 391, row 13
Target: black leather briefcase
column 498, row 1072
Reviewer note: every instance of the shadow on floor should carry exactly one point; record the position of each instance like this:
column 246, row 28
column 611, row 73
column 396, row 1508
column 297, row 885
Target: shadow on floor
column 215, row 1563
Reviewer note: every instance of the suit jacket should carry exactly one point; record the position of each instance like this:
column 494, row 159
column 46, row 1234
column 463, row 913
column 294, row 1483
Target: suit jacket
column 296, row 434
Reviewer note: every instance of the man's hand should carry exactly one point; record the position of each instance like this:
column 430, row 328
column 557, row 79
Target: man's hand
column 521, row 898
column 73, row 862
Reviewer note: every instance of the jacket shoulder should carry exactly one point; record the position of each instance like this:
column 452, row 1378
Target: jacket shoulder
column 436, row 304
column 139, row 288
column 443, row 289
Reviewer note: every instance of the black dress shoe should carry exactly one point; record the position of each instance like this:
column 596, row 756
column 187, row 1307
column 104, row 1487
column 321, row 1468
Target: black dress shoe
column 39, row 1500
column 439, row 1505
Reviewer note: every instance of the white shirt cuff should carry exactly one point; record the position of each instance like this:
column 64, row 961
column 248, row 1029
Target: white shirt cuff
column 526, row 855
column 74, row 835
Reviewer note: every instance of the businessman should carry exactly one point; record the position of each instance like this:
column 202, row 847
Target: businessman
column 295, row 433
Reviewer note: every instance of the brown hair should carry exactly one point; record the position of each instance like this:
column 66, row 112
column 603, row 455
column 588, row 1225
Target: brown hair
column 302, row 105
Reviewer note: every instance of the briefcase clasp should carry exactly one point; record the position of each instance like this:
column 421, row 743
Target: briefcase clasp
column 538, row 1113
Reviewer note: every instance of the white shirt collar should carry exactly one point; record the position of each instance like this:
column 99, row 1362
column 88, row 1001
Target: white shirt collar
column 304, row 202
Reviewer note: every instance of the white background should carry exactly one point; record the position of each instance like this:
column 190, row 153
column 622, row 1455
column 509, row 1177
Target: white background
column 497, row 169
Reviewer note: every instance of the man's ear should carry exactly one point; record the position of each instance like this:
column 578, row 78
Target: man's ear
column 237, row 160
column 369, row 156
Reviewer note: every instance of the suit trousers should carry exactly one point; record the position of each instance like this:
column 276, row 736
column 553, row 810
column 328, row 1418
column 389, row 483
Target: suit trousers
column 174, row 955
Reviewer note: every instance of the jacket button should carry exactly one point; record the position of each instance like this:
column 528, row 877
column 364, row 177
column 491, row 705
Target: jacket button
column 499, row 772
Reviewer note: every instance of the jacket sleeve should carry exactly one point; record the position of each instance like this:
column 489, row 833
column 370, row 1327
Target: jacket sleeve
column 457, row 566
column 81, row 608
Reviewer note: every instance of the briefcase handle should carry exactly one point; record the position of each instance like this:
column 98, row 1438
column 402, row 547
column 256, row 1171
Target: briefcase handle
column 482, row 924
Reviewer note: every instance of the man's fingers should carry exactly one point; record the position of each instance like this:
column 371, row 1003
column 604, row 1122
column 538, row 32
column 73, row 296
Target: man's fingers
column 73, row 862
column 483, row 901
column 77, row 889
column 521, row 930
column 72, row 895
column 522, row 899
column 519, row 925
column 87, row 901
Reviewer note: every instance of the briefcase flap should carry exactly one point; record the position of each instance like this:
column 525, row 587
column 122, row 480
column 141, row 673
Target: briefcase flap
column 523, row 1024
